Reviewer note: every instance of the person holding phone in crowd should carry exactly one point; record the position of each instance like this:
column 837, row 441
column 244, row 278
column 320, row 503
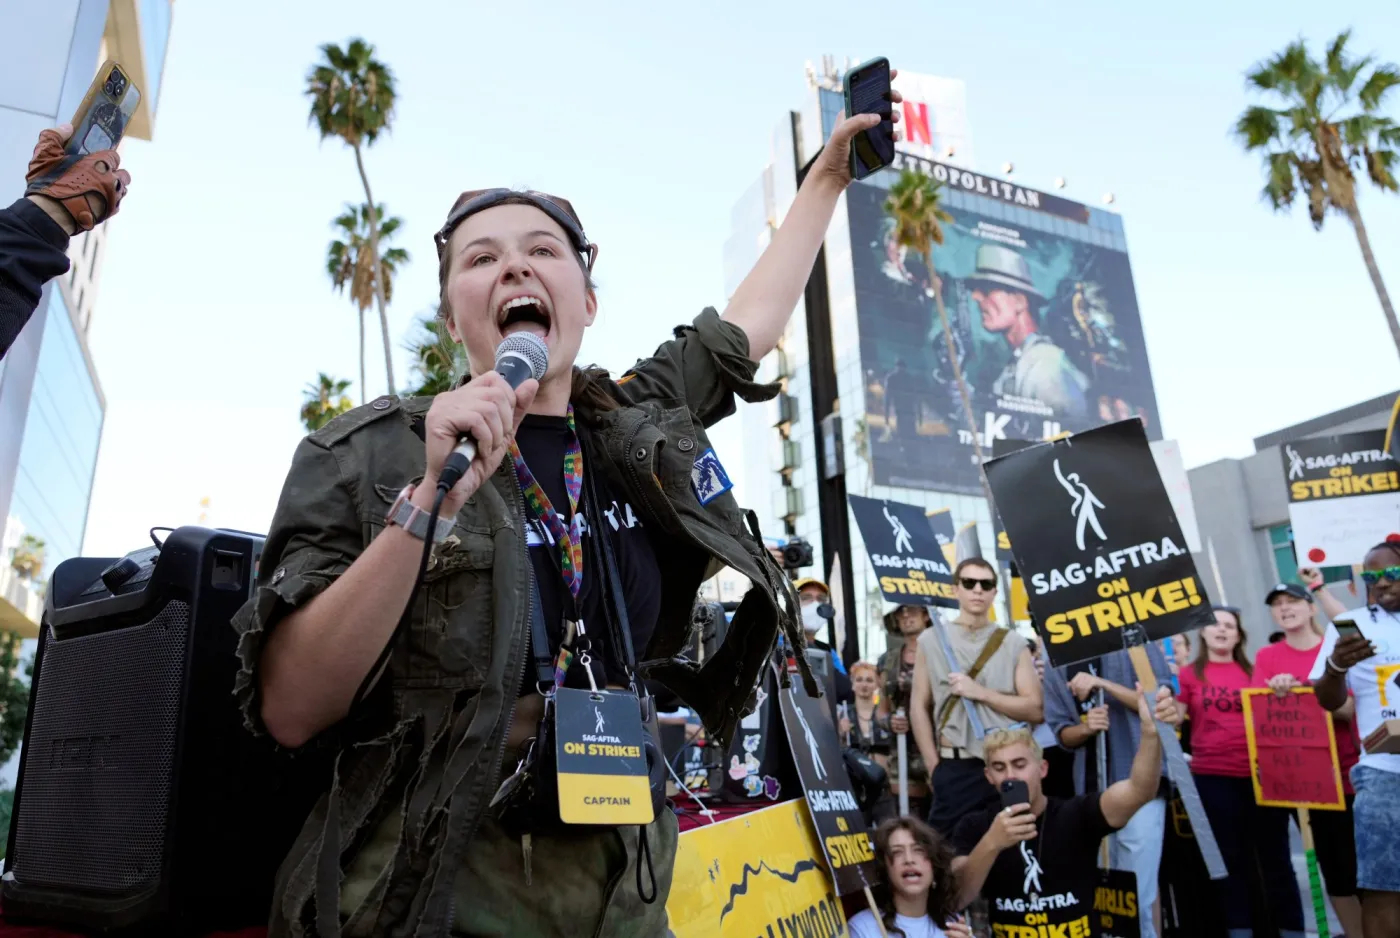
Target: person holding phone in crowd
column 1035, row 858
column 34, row 231
column 1081, row 724
column 1358, row 665
column 971, row 677
column 922, row 890
column 897, row 679
column 418, row 832
column 1286, row 664
column 1251, row 836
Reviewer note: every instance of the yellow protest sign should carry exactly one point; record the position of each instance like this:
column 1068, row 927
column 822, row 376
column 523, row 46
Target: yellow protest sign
column 758, row 874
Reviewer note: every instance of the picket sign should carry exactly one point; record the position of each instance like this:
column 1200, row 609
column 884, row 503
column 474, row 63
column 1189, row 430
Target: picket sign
column 1307, row 778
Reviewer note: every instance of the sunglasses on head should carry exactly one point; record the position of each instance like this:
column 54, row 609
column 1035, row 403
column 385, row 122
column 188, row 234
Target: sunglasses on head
column 1388, row 575
column 972, row 582
column 477, row 200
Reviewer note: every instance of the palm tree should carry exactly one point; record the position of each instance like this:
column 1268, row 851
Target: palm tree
column 28, row 559
column 352, row 97
column 437, row 360
column 350, row 262
column 913, row 203
column 323, row 401
column 1327, row 130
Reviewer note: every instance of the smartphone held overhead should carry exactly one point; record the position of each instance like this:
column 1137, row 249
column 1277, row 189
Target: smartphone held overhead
column 868, row 91
column 101, row 118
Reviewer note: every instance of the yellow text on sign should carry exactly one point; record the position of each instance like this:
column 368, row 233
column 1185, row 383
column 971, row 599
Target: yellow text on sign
column 603, row 749
column 1344, row 482
column 1122, row 606
column 916, row 583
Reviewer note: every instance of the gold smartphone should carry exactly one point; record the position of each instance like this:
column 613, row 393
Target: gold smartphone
column 101, row 118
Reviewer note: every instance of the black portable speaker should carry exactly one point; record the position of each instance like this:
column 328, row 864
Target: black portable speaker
column 142, row 802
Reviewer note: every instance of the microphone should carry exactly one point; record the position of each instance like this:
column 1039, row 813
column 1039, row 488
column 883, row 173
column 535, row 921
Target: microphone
column 520, row 357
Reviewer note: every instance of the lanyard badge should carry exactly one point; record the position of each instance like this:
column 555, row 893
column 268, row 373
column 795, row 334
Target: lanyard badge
column 601, row 758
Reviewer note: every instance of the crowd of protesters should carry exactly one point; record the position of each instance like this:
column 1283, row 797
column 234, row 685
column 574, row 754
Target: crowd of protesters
column 982, row 708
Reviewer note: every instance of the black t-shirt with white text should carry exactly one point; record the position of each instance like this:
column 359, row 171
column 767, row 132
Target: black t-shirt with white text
column 1046, row 885
column 542, row 441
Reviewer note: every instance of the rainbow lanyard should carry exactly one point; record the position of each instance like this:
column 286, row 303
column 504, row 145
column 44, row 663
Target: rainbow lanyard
column 569, row 538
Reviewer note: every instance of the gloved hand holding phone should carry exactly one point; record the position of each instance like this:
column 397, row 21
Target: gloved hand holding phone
column 77, row 190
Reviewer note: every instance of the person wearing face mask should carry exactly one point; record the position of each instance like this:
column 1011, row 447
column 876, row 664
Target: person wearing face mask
column 920, row 900
column 812, row 595
column 567, row 554
column 897, row 675
column 1285, row 665
column 1253, row 838
column 971, row 677
column 1362, row 670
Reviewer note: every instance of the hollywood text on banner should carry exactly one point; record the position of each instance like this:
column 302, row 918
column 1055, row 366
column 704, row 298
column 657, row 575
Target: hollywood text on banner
column 759, row 874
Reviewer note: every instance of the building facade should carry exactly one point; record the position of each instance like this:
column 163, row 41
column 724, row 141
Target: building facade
column 51, row 401
column 1026, row 278
column 1242, row 512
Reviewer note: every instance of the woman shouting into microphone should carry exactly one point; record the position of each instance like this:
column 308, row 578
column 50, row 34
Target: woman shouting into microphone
column 486, row 701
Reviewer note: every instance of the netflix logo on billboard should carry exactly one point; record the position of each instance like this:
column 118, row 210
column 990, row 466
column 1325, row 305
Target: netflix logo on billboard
column 934, row 118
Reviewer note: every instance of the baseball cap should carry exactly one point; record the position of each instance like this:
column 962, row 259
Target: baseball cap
column 807, row 581
column 1292, row 589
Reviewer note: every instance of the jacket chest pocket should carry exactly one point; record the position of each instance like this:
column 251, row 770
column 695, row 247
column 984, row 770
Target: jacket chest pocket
column 447, row 641
column 454, row 617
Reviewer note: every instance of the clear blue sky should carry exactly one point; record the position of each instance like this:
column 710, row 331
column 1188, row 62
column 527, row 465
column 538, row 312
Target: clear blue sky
column 215, row 310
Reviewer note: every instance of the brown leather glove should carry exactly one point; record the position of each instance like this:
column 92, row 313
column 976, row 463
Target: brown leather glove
column 89, row 187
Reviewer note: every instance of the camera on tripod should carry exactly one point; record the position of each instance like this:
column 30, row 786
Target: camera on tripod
column 797, row 553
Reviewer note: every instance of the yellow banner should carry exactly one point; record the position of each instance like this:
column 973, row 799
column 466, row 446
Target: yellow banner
column 762, row 874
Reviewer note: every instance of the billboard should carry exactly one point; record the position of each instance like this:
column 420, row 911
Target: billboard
column 1045, row 326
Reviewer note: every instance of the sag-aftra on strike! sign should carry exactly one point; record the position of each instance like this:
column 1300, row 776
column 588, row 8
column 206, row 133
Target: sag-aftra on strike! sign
column 1097, row 541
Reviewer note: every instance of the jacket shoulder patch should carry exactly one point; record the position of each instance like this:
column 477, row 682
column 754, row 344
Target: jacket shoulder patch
column 350, row 421
column 708, row 478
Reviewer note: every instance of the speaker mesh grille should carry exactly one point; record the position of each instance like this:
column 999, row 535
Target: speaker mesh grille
column 96, row 788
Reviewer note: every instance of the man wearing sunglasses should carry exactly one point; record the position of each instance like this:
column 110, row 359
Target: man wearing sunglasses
column 1363, row 658
column 970, row 677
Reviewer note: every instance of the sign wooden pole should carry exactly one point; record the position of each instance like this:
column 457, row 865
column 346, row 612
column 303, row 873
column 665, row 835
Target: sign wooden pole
column 880, row 922
column 902, row 741
column 1314, row 878
column 1180, row 773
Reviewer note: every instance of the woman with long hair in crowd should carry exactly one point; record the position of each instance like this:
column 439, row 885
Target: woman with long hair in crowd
column 1284, row 665
column 571, row 548
column 870, row 732
column 1250, row 836
column 897, row 672
column 921, row 896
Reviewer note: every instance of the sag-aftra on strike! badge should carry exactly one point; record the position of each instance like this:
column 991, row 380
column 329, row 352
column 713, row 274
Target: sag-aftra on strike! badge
column 603, row 775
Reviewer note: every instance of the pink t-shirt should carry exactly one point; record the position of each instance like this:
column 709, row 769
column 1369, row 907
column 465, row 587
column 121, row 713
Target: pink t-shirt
column 1218, row 745
column 1283, row 658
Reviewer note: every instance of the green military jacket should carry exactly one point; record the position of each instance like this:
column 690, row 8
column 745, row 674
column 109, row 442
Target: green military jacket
column 430, row 739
